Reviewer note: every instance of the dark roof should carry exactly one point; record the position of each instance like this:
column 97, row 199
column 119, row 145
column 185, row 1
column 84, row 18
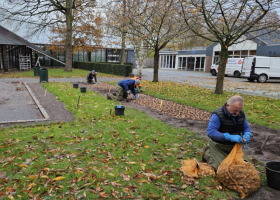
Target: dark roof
column 9, row 38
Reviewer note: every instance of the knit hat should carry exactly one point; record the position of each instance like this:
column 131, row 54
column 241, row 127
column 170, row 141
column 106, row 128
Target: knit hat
column 137, row 82
column 92, row 71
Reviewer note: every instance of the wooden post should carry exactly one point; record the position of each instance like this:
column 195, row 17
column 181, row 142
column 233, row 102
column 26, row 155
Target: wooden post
column 78, row 101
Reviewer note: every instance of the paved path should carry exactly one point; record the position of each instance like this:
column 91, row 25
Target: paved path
column 16, row 104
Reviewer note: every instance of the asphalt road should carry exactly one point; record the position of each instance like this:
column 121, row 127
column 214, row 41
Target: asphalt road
column 206, row 80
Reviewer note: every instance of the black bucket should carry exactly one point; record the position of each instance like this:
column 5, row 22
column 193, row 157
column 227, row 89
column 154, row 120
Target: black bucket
column 75, row 85
column 83, row 89
column 273, row 174
column 119, row 110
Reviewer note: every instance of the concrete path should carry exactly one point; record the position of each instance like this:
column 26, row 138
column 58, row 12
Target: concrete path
column 16, row 104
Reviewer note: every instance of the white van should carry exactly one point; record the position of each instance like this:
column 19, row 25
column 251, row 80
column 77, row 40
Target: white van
column 233, row 67
column 261, row 68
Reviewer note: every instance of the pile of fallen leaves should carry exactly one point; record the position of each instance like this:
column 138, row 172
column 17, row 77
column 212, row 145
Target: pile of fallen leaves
column 171, row 108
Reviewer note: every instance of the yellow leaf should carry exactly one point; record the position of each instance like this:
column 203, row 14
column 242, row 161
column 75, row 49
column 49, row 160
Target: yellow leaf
column 59, row 178
column 146, row 146
column 78, row 172
column 31, row 184
column 110, row 174
column 32, row 177
column 22, row 165
column 11, row 197
column 44, row 176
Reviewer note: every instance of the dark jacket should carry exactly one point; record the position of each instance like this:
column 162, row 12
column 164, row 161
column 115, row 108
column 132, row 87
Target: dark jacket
column 90, row 76
column 227, row 122
column 128, row 84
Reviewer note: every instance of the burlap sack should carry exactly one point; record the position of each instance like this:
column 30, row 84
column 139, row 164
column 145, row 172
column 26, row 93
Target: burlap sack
column 238, row 175
column 192, row 168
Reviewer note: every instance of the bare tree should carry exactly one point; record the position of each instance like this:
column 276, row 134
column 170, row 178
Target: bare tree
column 46, row 13
column 156, row 23
column 226, row 22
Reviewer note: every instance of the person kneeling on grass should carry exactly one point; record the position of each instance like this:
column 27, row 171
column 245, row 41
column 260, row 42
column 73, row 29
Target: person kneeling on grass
column 139, row 86
column 123, row 88
column 228, row 125
column 90, row 77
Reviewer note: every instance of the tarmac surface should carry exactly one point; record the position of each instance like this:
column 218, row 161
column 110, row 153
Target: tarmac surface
column 19, row 104
column 16, row 103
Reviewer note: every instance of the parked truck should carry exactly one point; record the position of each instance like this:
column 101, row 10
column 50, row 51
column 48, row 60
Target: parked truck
column 261, row 68
column 233, row 67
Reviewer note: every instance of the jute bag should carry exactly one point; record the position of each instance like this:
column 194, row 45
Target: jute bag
column 238, row 175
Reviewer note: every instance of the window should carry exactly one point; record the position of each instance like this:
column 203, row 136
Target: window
column 230, row 54
column 252, row 52
column 236, row 54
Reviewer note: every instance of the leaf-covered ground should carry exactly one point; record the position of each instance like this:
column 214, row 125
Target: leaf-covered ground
column 100, row 156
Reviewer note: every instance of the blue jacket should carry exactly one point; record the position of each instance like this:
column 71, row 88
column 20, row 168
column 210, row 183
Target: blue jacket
column 214, row 125
column 128, row 84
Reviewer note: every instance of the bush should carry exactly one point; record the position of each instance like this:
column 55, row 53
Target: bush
column 108, row 68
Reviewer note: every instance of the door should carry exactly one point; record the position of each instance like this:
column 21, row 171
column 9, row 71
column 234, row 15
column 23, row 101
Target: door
column 275, row 67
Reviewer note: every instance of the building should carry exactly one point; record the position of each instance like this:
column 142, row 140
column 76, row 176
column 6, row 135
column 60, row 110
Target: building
column 13, row 47
column 201, row 58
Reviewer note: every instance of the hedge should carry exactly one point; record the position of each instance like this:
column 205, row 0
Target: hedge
column 108, row 68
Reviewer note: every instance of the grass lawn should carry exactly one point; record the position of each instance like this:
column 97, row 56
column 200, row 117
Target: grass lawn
column 259, row 110
column 55, row 73
column 99, row 156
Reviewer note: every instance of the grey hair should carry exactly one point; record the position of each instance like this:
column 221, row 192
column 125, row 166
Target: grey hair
column 234, row 99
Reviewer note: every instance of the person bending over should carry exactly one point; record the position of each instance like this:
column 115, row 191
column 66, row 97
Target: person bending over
column 124, row 87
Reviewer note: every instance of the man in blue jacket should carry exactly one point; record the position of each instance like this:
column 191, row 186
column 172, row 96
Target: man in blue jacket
column 228, row 125
column 123, row 88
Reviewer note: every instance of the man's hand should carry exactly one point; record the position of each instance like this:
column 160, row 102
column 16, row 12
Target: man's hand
column 135, row 96
column 233, row 138
column 95, row 83
column 247, row 136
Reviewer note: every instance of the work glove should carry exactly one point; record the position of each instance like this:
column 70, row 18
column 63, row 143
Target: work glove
column 233, row 138
column 135, row 90
column 135, row 96
column 128, row 92
column 96, row 83
column 247, row 136
column 140, row 88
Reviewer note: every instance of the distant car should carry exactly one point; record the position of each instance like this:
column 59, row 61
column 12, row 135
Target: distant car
column 233, row 67
column 261, row 68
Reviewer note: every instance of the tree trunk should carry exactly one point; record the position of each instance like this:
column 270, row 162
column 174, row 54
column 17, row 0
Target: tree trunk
column 123, row 49
column 69, row 26
column 156, row 58
column 123, row 34
column 222, row 69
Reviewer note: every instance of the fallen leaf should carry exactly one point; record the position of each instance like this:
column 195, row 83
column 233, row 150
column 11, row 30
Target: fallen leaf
column 3, row 174
column 59, row 178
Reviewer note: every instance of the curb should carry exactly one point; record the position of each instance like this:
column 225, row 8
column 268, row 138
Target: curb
column 42, row 110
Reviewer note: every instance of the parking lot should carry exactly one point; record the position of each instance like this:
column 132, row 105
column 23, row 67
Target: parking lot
column 204, row 79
